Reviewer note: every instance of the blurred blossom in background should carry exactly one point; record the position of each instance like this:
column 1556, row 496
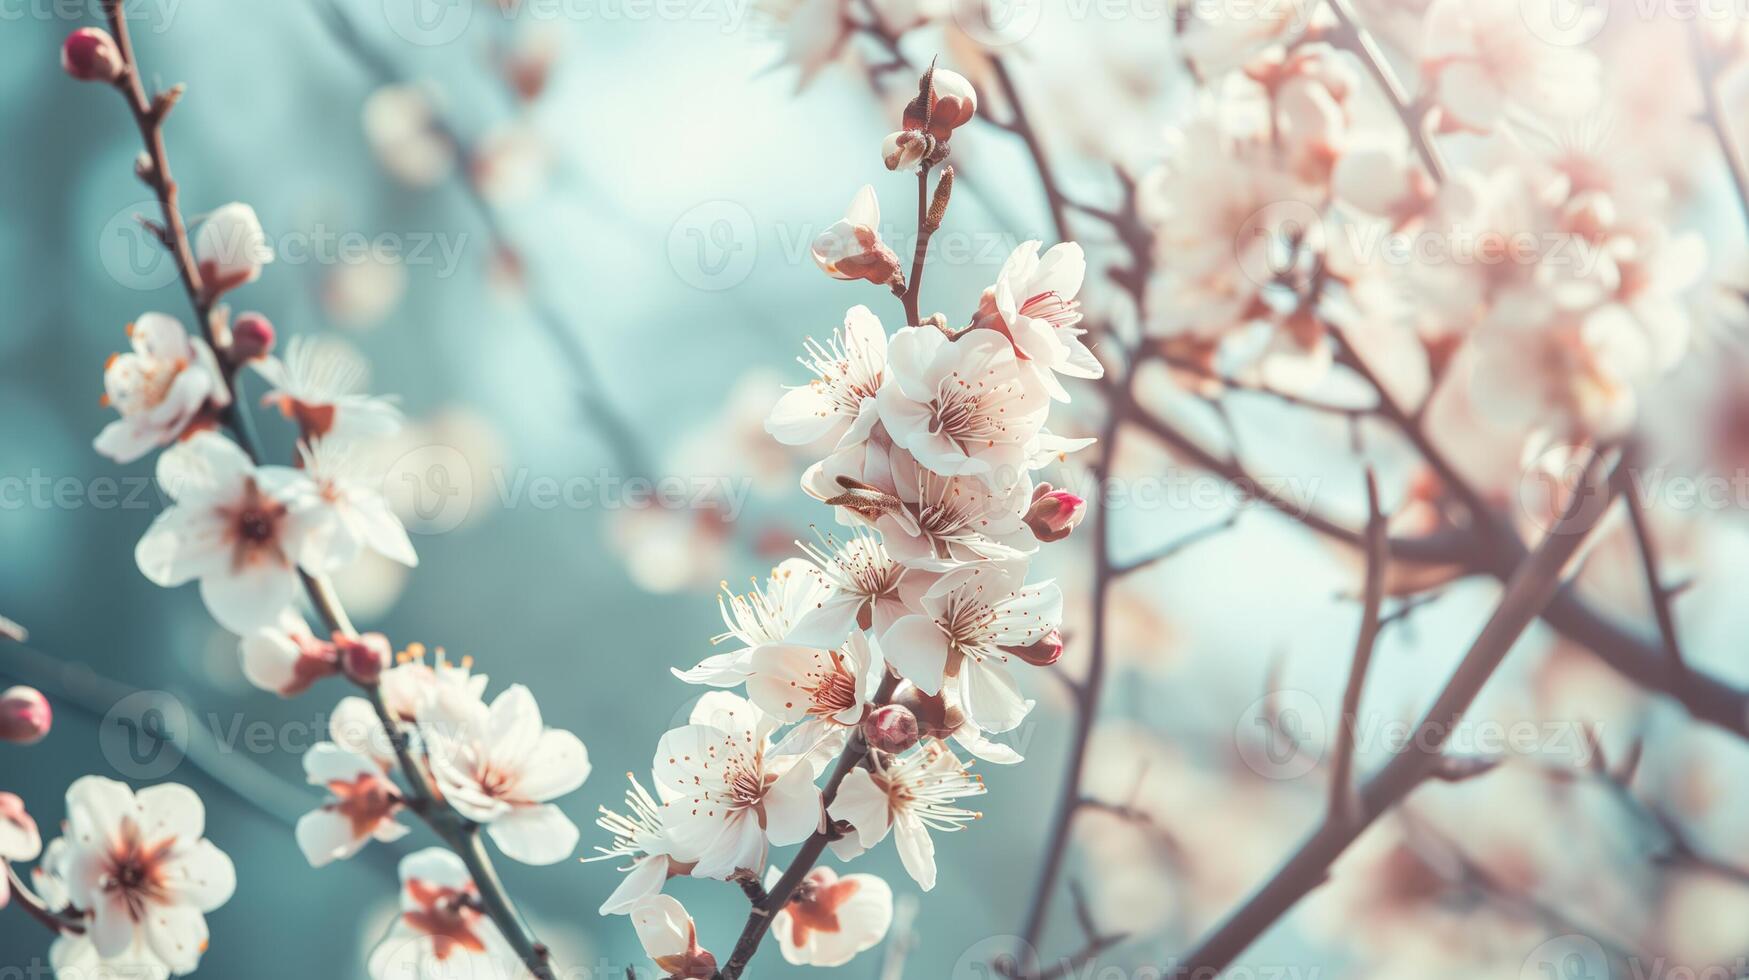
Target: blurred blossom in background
column 574, row 239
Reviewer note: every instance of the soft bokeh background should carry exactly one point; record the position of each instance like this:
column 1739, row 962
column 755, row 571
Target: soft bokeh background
column 660, row 193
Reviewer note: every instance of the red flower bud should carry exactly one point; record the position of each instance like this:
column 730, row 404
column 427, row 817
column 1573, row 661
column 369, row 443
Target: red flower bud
column 252, row 336
column 1054, row 513
column 364, row 658
column 90, row 55
column 25, row 717
column 891, row 728
column 1043, row 652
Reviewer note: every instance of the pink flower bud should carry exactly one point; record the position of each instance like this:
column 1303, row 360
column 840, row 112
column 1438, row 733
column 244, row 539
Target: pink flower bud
column 935, row 717
column 90, row 55
column 364, row 658
column 252, row 337
column 1043, row 652
column 25, row 717
column 891, row 728
column 1054, row 513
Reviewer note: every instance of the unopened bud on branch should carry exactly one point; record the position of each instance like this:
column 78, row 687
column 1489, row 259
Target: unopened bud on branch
column 364, row 658
column 90, row 55
column 891, row 728
column 25, row 717
column 1054, row 513
column 252, row 337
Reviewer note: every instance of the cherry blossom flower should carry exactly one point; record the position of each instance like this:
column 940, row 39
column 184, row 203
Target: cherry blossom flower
column 500, row 766
column 1033, row 304
column 19, row 840
column 233, row 527
column 439, row 693
column 408, row 139
column 726, row 797
column 159, row 388
column 949, row 520
column 1485, row 57
column 231, row 248
column 852, row 248
column 839, row 404
column 671, row 939
column 812, row 32
column 910, row 796
column 441, row 931
column 639, row 835
column 869, row 589
column 962, row 407
column 828, row 919
column 319, row 384
column 969, row 617
column 287, row 658
column 827, row 690
column 74, row 954
column 361, row 807
column 761, row 616
column 140, row 869
column 344, row 510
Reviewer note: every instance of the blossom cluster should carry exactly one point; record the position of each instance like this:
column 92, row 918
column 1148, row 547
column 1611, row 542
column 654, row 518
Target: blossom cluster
column 126, row 890
column 1303, row 215
column 889, row 642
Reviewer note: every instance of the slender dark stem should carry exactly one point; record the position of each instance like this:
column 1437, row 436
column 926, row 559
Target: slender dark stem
column 1342, row 789
column 149, row 117
column 1348, row 33
column 37, row 909
column 1174, row 548
column 915, row 284
column 759, row 918
column 1660, row 595
column 1087, row 695
column 1708, row 70
column 1020, row 125
column 1528, row 591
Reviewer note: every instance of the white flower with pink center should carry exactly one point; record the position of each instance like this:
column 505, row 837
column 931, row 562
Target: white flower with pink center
column 19, row 840
column 441, row 931
column 346, row 510
column 826, row 690
column 764, row 615
column 968, row 620
column 158, row 388
column 139, row 868
column 726, row 796
column 361, row 805
column 1033, row 303
column 839, row 404
column 870, row 589
column 501, row 767
column 829, row 919
column 852, row 248
column 319, row 385
column 962, row 407
column 235, row 527
column 909, row 796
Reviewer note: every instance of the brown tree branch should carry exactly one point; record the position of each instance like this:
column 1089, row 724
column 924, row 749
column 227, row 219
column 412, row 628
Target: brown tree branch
column 1530, row 589
column 1342, row 788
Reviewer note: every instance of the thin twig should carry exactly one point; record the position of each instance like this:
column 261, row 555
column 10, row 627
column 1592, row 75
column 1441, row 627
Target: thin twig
column 1349, row 34
column 1530, row 589
column 1659, row 594
column 1343, row 791
column 1708, row 70
column 1178, row 546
